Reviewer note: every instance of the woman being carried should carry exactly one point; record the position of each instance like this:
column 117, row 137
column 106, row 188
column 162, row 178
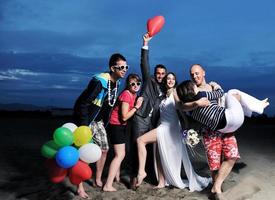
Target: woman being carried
column 172, row 152
column 224, row 119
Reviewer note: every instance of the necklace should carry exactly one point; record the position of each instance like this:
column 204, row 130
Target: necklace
column 109, row 94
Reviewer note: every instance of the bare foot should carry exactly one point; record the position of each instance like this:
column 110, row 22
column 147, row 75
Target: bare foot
column 81, row 192
column 140, row 178
column 265, row 103
column 109, row 189
column 159, row 186
column 98, row 183
column 216, row 190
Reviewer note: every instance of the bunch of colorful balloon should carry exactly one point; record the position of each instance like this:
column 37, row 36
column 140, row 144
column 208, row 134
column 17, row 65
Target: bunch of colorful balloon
column 69, row 153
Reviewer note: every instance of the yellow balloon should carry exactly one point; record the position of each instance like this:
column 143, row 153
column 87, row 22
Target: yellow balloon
column 82, row 135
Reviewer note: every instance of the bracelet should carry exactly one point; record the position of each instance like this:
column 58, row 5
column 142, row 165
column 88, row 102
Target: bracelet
column 136, row 108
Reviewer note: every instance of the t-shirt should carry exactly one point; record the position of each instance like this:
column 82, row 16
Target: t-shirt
column 125, row 96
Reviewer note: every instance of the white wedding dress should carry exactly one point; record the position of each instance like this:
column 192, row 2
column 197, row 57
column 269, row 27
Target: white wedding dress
column 173, row 151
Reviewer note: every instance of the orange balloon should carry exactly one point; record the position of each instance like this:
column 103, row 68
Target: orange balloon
column 154, row 25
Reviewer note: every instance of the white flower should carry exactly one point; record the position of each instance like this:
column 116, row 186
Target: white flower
column 191, row 137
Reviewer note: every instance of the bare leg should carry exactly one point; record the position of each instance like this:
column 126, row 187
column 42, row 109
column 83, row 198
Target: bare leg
column 81, row 191
column 99, row 168
column 249, row 102
column 223, row 172
column 149, row 137
column 114, row 167
column 118, row 175
column 214, row 175
column 161, row 179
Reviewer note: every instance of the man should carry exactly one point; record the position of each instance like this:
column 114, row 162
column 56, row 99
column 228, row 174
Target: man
column 146, row 118
column 216, row 144
column 93, row 106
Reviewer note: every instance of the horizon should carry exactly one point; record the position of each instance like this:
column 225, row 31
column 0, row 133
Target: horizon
column 49, row 50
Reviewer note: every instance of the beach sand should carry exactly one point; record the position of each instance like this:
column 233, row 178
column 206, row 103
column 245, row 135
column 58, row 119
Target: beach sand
column 23, row 176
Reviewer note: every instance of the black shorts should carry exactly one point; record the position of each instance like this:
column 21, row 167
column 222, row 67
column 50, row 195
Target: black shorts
column 117, row 134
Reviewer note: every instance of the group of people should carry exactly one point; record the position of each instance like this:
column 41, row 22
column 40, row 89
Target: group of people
column 158, row 110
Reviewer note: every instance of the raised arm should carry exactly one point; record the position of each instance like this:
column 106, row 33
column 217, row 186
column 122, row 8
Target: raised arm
column 144, row 63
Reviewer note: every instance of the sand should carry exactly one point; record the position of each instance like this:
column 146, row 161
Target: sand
column 22, row 173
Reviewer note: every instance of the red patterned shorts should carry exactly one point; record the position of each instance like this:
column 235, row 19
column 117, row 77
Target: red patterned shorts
column 218, row 145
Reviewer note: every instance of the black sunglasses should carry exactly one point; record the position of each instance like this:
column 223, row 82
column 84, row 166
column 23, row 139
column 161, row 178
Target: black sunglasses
column 134, row 83
column 120, row 68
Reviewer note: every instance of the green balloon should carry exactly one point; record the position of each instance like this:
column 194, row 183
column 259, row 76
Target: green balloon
column 49, row 149
column 63, row 137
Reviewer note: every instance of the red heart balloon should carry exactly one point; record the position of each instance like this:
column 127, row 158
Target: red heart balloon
column 56, row 173
column 155, row 24
column 81, row 171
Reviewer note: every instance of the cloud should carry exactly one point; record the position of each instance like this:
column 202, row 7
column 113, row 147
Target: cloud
column 59, row 87
column 7, row 77
column 16, row 74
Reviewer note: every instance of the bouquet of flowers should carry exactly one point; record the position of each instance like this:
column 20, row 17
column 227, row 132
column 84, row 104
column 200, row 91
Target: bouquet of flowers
column 191, row 137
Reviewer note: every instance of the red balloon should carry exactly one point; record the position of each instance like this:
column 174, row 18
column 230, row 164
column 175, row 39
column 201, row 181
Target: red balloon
column 81, row 171
column 75, row 180
column 154, row 25
column 56, row 173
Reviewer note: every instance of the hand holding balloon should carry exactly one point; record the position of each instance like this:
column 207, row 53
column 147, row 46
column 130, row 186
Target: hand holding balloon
column 146, row 39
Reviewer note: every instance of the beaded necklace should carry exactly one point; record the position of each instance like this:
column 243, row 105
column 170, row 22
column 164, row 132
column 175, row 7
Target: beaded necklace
column 109, row 94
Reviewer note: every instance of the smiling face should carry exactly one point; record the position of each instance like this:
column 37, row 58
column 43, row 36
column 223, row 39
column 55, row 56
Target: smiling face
column 197, row 75
column 120, row 69
column 171, row 81
column 134, row 85
column 159, row 74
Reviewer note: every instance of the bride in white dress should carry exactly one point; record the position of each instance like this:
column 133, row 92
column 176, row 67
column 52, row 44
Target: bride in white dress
column 172, row 151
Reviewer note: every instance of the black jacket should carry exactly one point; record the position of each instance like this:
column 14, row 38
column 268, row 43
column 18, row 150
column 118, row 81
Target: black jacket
column 85, row 111
column 147, row 117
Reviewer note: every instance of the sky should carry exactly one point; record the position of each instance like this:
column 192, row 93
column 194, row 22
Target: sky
column 49, row 50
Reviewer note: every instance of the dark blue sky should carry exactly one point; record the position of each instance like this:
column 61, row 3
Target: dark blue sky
column 50, row 49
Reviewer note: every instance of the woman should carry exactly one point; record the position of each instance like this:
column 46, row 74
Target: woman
column 226, row 119
column 124, row 110
column 171, row 150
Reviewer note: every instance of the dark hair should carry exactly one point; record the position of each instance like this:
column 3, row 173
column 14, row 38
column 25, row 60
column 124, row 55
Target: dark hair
column 129, row 77
column 161, row 66
column 185, row 91
column 164, row 82
column 114, row 58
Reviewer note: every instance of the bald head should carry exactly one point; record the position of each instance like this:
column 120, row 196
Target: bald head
column 197, row 74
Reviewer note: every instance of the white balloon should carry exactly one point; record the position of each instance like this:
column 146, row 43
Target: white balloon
column 89, row 153
column 70, row 126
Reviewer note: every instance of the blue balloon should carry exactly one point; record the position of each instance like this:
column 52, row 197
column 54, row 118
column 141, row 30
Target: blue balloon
column 67, row 157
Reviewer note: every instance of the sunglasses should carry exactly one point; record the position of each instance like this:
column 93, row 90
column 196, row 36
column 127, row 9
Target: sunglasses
column 134, row 83
column 120, row 68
